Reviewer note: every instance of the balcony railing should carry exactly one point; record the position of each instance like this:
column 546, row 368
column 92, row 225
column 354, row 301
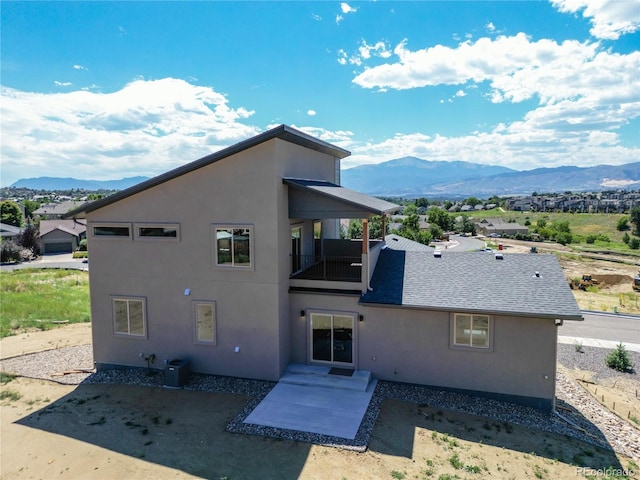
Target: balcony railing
column 312, row 267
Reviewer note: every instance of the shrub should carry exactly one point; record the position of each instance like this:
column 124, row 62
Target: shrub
column 619, row 359
column 10, row 252
column 82, row 246
column 591, row 239
column 634, row 243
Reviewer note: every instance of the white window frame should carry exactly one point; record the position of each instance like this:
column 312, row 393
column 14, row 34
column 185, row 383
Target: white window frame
column 232, row 265
column 214, row 326
column 129, row 300
column 470, row 346
column 150, row 238
column 93, row 226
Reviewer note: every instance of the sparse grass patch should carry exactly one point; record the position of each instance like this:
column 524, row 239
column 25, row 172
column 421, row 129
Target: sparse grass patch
column 11, row 395
column 36, row 298
column 6, row 377
column 455, row 461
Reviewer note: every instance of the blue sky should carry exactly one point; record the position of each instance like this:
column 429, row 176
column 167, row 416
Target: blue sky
column 115, row 89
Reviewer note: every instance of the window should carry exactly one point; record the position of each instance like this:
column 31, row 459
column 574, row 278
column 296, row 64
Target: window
column 205, row 322
column 471, row 331
column 233, row 247
column 163, row 231
column 111, row 230
column 129, row 316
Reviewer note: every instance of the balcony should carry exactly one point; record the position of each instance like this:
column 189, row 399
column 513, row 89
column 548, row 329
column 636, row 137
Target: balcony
column 343, row 267
column 330, row 269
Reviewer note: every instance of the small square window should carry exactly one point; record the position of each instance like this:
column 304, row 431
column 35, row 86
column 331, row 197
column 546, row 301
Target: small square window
column 129, row 317
column 471, row 331
column 233, row 246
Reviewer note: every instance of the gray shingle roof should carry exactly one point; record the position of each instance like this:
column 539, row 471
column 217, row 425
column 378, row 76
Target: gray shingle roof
column 396, row 242
column 360, row 200
column 473, row 281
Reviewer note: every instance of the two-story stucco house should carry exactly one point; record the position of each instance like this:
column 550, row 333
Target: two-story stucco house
column 235, row 263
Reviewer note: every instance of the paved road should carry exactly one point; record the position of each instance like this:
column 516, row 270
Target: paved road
column 62, row 260
column 603, row 330
column 464, row 244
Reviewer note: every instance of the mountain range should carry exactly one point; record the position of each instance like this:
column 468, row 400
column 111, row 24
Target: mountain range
column 56, row 183
column 415, row 177
column 411, row 177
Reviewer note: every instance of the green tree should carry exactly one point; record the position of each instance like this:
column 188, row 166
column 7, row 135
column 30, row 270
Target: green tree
column 619, row 359
column 10, row 213
column 29, row 239
column 634, row 217
column 412, row 222
column 472, row 201
column 422, row 202
column 626, row 238
column 541, row 223
column 622, row 224
column 468, row 226
column 441, row 218
column 355, row 229
column 30, row 206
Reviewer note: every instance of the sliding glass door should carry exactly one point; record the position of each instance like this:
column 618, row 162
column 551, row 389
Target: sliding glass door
column 332, row 338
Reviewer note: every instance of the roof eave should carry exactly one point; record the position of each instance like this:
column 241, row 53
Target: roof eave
column 549, row 316
column 284, row 132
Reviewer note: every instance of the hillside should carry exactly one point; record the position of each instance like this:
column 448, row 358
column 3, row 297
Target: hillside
column 412, row 176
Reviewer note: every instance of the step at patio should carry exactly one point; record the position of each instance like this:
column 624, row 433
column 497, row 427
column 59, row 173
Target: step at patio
column 317, row 375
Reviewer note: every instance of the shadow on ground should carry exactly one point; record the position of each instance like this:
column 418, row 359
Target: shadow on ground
column 183, row 430
column 447, row 429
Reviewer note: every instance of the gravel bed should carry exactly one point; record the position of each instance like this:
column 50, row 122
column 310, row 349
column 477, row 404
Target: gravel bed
column 66, row 365
column 592, row 359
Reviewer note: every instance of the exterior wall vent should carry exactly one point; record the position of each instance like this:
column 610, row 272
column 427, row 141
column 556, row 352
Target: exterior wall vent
column 499, row 256
column 437, row 253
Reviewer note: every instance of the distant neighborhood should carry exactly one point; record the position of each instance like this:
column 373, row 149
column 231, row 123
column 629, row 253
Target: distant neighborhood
column 42, row 211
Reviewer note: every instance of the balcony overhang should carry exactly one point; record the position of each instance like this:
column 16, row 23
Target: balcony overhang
column 311, row 199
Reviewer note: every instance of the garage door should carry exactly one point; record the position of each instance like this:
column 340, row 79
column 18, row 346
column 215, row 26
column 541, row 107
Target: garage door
column 58, row 247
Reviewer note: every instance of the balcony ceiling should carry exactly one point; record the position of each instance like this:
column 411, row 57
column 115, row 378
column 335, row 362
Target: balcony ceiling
column 311, row 199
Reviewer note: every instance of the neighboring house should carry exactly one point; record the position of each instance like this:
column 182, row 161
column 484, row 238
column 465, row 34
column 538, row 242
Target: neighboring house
column 234, row 262
column 497, row 226
column 9, row 231
column 51, row 211
column 61, row 236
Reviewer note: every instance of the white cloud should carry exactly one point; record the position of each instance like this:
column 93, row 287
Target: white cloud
column 346, row 8
column 311, row 112
column 365, row 52
column 145, row 128
column 579, row 85
column 461, row 93
column 609, row 18
column 79, row 67
column 316, row 17
column 490, row 27
column 519, row 146
column 62, row 84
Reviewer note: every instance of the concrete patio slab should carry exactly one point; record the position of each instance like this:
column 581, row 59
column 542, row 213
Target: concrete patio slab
column 315, row 409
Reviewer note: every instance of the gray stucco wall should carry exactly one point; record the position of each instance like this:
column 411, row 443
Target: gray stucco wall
column 252, row 310
column 413, row 346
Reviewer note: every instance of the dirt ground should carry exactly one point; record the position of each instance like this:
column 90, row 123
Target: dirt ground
column 120, row 431
column 615, row 276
